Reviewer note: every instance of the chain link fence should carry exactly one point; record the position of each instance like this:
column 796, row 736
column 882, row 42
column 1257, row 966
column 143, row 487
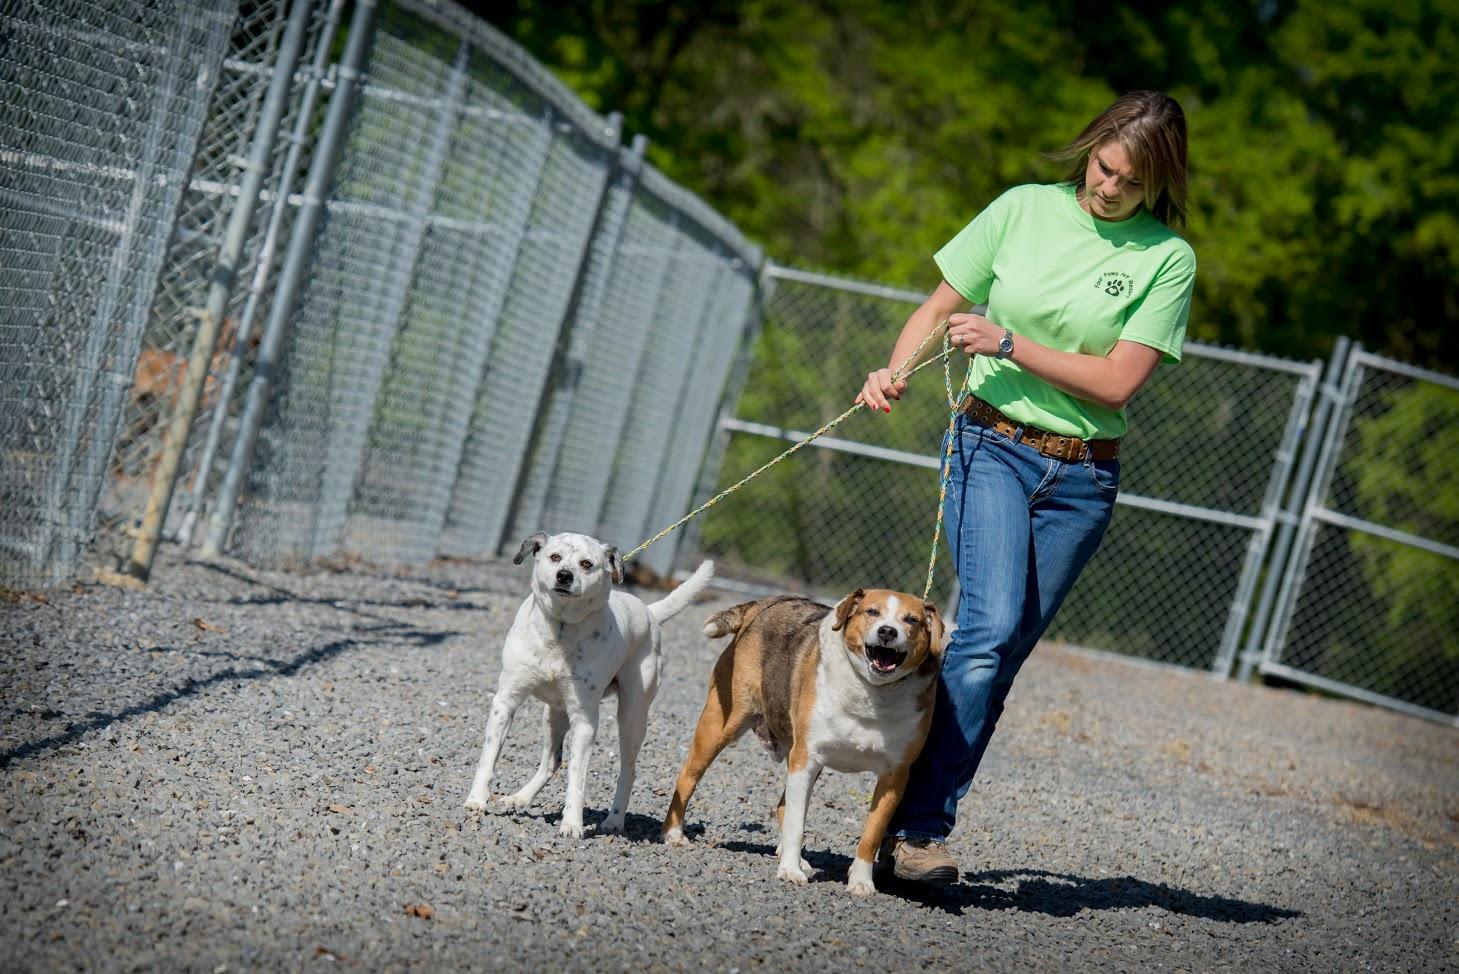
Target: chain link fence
column 1370, row 605
column 463, row 245
column 231, row 127
column 102, row 109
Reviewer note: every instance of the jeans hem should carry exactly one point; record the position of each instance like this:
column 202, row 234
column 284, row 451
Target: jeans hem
column 916, row 834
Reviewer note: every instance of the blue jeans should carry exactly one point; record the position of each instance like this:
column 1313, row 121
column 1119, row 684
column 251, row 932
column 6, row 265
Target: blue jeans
column 1020, row 526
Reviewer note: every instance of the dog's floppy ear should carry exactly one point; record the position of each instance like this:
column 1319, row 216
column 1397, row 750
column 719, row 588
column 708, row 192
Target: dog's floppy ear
column 845, row 607
column 935, row 629
column 531, row 546
column 614, row 562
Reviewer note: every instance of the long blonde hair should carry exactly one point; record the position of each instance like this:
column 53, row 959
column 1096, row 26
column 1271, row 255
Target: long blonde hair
column 1151, row 127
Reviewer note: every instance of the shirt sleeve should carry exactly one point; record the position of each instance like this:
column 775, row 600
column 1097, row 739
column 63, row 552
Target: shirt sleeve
column 966, row 261
column 1158, row 319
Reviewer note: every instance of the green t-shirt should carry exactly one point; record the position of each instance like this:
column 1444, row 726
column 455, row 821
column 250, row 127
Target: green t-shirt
column 1059, row 276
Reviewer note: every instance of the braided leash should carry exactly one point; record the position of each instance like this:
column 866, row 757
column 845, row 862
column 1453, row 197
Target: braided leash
column 946, row 476
column 896, row 376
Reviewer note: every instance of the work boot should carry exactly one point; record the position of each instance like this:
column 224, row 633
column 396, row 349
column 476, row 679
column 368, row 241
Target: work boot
column 916, row 860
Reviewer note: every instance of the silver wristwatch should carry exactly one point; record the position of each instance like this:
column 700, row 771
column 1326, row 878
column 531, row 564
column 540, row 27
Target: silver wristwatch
column 1005, row 345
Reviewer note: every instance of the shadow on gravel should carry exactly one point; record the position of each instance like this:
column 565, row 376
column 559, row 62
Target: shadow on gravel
column 191, row 687
column 829, row 866
column 1063, row 895
column 636, row 827
column 278, row 595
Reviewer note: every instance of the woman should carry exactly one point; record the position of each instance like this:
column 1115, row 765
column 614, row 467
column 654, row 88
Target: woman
column 1088, row 289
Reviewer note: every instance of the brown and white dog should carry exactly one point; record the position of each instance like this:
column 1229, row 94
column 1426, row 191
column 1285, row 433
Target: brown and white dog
column 849, row 689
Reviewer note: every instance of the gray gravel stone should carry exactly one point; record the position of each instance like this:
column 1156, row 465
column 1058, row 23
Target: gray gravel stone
column 247, row 770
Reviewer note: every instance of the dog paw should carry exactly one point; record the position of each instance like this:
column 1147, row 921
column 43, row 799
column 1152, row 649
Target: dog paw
column 805, row 867
column 675, row 838
column 858, row 879
column 612, row 825
column 573, row 830
column 792, row 874
column 516, row 802
column 476, row 803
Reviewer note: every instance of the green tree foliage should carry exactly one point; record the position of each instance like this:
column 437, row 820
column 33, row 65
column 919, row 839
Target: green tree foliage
column 857, row 136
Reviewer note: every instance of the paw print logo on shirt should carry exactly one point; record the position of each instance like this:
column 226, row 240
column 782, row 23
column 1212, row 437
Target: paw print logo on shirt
column 1115, row 283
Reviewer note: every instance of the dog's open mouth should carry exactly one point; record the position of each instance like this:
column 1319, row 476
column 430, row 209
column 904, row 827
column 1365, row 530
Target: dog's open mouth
column 563, row 589
column 884, row 659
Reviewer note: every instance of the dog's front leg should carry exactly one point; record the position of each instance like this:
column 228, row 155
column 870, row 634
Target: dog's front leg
column 802, row 772
column 503, row 707
column 554, row 727
column 884, row 801
column 582, row 728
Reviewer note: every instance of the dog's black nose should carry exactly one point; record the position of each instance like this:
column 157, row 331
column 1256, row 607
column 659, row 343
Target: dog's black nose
column 563, row 576
column 887, row 633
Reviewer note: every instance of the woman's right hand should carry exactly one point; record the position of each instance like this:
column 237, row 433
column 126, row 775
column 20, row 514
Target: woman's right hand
column 879, row 389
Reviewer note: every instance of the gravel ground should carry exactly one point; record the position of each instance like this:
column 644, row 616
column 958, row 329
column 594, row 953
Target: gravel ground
column 243, row 770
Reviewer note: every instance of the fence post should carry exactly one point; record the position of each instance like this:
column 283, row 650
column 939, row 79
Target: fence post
column 296, row 259
column 1260, row 543
column 198, row 496
column 1289, row 514
column 225, row 272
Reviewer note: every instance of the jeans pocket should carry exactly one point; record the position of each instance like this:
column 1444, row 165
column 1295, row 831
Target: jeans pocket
column 1105, row 474
column 981, row 433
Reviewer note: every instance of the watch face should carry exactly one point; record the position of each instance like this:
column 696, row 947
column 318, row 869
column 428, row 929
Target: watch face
column 1005, row 347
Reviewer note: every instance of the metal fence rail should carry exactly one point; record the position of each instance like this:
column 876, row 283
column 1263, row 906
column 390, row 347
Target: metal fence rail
column 1370, row 605
column 100, row 119
column 1209, row 451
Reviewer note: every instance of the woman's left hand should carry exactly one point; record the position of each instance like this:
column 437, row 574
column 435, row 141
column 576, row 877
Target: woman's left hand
column 974, row 334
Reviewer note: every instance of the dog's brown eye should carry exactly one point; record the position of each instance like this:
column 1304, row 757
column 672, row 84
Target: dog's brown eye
column 911, row 620
column 586, row 564
column 554, row 558
column 873, row 613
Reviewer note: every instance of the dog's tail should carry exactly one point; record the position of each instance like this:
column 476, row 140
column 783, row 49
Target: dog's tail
column 730, row 621
column 680, row 598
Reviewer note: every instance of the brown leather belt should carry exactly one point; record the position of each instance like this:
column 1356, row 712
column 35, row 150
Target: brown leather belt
column 1049, row 444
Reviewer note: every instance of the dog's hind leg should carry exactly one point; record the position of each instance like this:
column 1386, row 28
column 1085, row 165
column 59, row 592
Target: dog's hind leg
column 503, row 707
column 720, row 724
column 554, row 727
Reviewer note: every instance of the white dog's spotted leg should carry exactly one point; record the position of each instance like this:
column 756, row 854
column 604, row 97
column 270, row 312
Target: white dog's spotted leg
column 554, row 729
column 633, row 704
column 580, row 733
column 503, row 707
column 798, row 785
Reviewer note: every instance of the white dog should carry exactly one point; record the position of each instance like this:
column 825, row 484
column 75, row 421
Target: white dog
column 574, row 640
